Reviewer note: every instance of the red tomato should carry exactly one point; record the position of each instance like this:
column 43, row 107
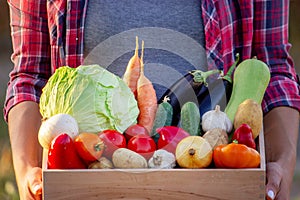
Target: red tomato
column 89, row 146
column 143, row 145
column 134, row 130
column 112, row 140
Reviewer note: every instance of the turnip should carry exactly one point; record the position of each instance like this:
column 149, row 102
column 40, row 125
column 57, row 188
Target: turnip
column 55, row 125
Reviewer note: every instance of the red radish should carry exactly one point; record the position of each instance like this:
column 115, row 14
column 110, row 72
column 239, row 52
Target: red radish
column 169, row 137
column 112, row 140
column 133, row 130
column 143, row 145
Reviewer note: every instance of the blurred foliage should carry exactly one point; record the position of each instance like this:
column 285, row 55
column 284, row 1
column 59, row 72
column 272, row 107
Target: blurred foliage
column 7, row 179
column 294, row 32
column 8, row 188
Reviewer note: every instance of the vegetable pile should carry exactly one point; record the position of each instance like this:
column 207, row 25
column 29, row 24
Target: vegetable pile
column 96, row 120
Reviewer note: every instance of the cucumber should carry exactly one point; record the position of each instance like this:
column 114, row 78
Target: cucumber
column 163, row 117
column 250, row 81
column 190, row 118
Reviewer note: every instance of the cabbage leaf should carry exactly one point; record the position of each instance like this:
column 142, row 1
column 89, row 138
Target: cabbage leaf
column 95, row 97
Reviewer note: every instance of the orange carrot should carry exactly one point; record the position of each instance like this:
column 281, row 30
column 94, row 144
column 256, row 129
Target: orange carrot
column 146, row 98
column 133, row 69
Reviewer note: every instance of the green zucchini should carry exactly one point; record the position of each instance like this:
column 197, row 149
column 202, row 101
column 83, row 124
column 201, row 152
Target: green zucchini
column 250, row 81
column 190, row 118
column 163, row 117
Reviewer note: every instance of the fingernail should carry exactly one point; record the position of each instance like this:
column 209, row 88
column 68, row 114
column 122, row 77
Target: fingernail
column 36, row 188
column 271, row 194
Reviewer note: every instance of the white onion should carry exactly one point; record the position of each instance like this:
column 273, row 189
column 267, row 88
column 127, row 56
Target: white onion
column 55, row 125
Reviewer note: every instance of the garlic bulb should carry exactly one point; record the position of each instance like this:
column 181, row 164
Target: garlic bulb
column 162, row 159
column 216, row 119
column 55, row 125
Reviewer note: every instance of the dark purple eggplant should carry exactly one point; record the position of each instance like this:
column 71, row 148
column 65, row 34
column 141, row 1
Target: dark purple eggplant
column 219, row 91
column 196, row 87
column 188, row 88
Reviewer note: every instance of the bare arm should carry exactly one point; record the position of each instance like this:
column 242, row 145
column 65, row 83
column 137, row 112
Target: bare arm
column 281, row 127
column 23, row 122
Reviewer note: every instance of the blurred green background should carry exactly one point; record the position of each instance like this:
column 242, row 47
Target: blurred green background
column 8, row 189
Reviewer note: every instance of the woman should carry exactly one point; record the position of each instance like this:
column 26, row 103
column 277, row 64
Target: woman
column 50, row 34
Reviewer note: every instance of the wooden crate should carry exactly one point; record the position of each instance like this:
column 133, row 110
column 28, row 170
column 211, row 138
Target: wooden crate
column 206, row 184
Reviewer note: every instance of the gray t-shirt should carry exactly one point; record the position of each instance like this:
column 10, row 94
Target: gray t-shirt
column 172, row 31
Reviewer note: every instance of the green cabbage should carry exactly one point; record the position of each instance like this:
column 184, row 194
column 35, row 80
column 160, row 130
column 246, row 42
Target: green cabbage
column 95, row 97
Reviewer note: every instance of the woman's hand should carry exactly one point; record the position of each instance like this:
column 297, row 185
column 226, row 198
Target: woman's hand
column 281, row 132
column 277, row 179
column 31, row 188
column 24, row 121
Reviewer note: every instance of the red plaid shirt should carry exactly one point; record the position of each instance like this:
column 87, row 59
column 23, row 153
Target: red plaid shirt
column 49, row 34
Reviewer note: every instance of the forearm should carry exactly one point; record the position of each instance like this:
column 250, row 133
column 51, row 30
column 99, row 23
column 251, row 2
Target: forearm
column 281, row 132
column 31, row 52
column 24, row 121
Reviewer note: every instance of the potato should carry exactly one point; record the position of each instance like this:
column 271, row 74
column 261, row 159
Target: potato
column 126, row 159
column 249, row 112
column 216, row 137
column 102, row 163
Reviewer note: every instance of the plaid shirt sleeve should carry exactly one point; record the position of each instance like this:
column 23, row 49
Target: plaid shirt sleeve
column 31, row 53
column 253, row 28
column 271, row 45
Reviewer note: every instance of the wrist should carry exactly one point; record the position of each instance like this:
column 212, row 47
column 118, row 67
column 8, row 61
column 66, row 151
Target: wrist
column 281, row 134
